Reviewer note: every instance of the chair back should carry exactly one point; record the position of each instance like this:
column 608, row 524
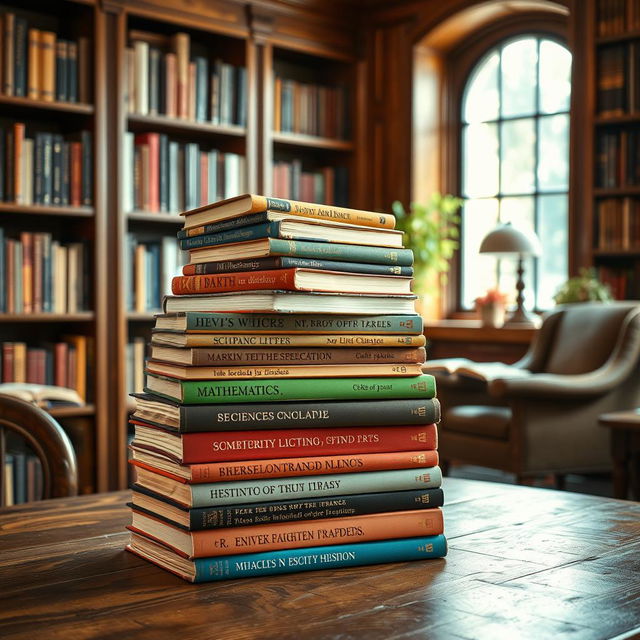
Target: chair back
column 579, row 338
column 48, row 441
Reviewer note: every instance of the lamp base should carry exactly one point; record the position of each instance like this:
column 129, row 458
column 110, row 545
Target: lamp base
column 522, row 318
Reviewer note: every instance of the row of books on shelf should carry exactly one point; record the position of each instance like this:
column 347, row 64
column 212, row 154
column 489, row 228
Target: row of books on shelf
column 22, row 480
column 617, row 162
column 163, row 175
column 163, row 78
column 624, row 281
column 310, row 109
column 615, row 17
column 49, row 169
column 40, row 274
column 618, row 86
column 37, row 64
column 65, row 363
column 149, row 267
column 618, row 221
column 329, row 185
column 135, row 361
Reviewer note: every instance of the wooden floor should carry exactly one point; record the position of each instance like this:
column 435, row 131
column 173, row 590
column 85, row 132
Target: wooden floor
column 523, row 563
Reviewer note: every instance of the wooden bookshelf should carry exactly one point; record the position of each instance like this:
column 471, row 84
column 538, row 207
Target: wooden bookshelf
column 155, row 218
column 312, row 142
column 83, row 316
column 183, row 126
column 43, row 210
column 55, row 106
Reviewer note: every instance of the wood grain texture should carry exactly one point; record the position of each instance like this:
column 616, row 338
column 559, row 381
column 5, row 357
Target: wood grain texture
column 523, row 563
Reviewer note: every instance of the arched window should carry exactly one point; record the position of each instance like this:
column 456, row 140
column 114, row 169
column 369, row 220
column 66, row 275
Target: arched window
column 515, row 163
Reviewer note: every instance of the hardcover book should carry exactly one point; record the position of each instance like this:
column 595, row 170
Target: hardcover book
column 249, row 565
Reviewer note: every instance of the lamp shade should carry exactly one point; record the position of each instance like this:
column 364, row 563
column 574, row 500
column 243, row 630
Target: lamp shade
column 506, row 239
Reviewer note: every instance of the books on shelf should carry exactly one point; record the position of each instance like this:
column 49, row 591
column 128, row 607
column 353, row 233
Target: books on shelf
column 623, row 279
column 164, row 175
column 617, row 161
column 167, row 76
column 310, row 109
column 42, row 275
column 618, row 224
column 616, row 17
column 329, row 185
column 66, row 363
column 320, row 426
column 22, row 475
column 38, row 64
column 49, row 169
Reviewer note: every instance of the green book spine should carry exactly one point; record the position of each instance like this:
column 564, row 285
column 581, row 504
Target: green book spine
column 345, row 252
column 307, row 323
column 211, row 392
column 339, row 484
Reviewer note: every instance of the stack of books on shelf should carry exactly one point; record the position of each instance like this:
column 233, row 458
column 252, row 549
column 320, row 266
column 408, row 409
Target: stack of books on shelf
column 22, row 475
column 49, row 169
column 164, row 78
column 286, row 424
column 37, row 64
column 39, row 274
column 329, row 185
column 163, row 175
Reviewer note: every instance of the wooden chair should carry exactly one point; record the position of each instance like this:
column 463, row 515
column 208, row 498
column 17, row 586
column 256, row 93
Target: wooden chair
column 48, row 441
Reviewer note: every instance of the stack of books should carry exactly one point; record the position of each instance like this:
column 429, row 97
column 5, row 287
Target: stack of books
column 286, row 424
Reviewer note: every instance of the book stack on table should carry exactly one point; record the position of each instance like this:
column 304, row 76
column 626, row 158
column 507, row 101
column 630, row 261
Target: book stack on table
column 286, row 424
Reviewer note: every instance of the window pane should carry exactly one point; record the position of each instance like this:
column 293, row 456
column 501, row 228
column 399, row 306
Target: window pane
column 520, row 212
column 518, row 156
column 478, row 218
column 480, row 153
column 519, row 70
column 555, row 77
column 481, row 100
column 552, row 265
column 553, row 152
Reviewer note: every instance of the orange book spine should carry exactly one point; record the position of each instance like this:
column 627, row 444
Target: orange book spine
column 311, row 533
column 26, row 239
column 47, row 65
column 171, row 87
column 244, row 281
column 291, row 467
column 191, row 91
column 181, row 49
column 33, row 76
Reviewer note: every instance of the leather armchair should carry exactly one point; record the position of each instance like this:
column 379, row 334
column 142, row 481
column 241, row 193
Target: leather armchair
column 585, row 361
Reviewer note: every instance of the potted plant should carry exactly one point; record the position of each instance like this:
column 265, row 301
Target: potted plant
column 583, row 288
column 491, row 308
column 431, row 231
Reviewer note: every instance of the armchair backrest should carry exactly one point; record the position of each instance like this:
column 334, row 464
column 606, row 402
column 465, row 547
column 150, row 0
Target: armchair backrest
column 579, row 338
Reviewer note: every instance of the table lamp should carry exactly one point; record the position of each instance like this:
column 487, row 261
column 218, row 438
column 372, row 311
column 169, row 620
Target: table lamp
column 505, row 240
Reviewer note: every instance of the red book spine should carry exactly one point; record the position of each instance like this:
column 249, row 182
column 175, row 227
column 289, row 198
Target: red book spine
column 243, row 281
column 152, row 140
column 60, row 364
column 32, row 366
column 75, row 161
column 219, row 446
column 7, row 362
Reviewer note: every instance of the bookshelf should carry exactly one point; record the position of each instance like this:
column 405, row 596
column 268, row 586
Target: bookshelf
column 615, row 229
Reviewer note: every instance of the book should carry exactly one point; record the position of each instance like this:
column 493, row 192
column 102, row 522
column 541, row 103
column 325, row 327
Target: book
column 297, row 229
column 291, row 302
column 264, row 355
column 289, row 535
column 249, row 565
column 267, row 247
column 483, row 371
column 280, row 371
column 294, row 488
column 186, row 418
column 291, row 280
column 272, row 390
column 281, row 467
column 258, row 323
column 176, row 339
column 249, row 203
column 240, row 515
column 266, row 264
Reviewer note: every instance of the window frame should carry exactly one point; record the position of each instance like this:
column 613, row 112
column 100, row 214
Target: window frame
column 459, row 65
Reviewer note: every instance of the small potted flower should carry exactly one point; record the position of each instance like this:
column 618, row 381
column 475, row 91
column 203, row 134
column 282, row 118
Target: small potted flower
column 491, row 307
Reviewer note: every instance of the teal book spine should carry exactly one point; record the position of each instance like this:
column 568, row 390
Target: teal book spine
column 341, row 252
column 307, row 323
column 272, row 390
column 243, row 234
column 252, row 565
column 337, row 484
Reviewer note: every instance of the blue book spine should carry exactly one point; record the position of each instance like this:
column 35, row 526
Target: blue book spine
column 47, row 274
column 3, row 293
column 251, row 565
column 269, row 229
column 233, row 223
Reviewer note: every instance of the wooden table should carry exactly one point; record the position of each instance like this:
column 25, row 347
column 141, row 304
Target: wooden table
column 625, row 451
column 523, row 563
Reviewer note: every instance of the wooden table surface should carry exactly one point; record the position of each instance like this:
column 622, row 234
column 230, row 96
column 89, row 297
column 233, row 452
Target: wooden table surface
column 523, row 563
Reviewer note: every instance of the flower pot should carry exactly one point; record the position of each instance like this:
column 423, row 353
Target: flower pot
column 492, row 315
